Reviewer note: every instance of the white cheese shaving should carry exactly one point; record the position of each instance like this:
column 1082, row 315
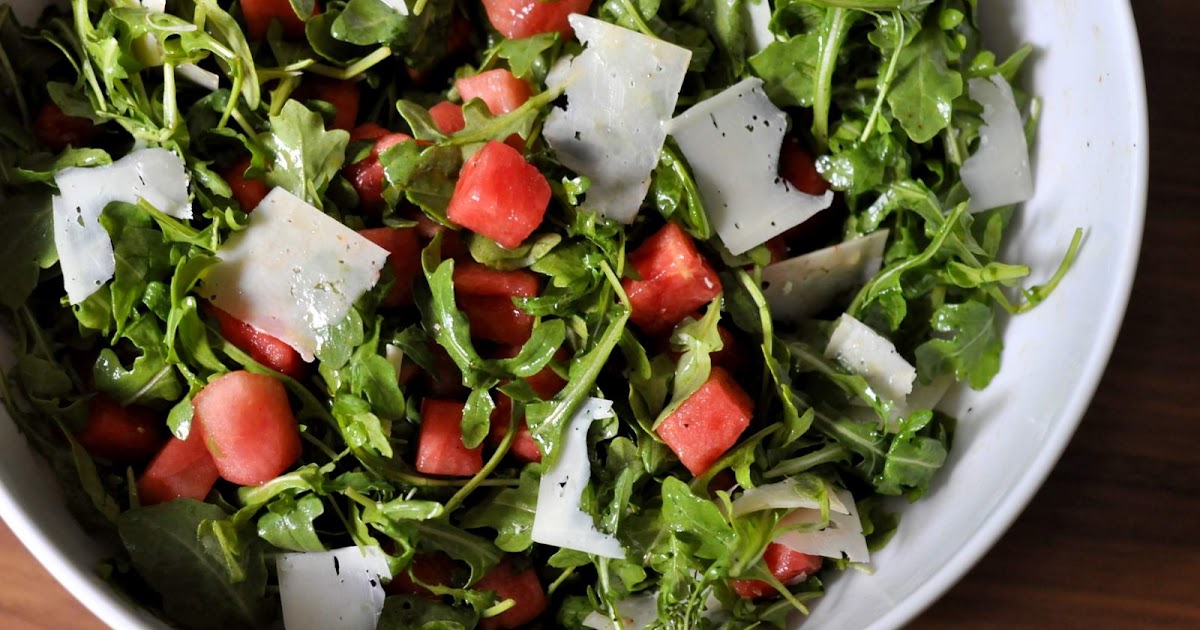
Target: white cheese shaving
column 293, row 271
column 782, row 494
column 204, row 78
column 923, row 396
column 801, row 287
column 395, row 356
column 732, row 142
column 842, row 536
column 85, row 250
column 871, row 356
column 342, row 588
column 398, row 5
column 758, row 16
column 621, row 91
column 559, row 519
column 998, row 173
column 636, row 613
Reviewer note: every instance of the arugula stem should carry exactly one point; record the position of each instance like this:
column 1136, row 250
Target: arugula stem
column 836, row 25
column 830, row 453
column 484, row 133
column 354, row 69
column 885, row 81
column 488, row 468
column 170, row 107
column 638, row 20
column 900, row 267
column 1039, row 293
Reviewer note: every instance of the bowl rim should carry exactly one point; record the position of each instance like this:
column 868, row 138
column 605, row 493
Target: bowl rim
column 99, row 599
column 1023, row 492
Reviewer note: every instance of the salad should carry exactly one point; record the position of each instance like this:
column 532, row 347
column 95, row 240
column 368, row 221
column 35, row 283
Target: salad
column 500, row 314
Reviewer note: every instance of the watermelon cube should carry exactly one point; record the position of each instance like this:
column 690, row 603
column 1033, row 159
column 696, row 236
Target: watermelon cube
column 440, row 449
column 499, row 195
column 787, row 565
column 499, row 89
column 675, row 280
column 708, row 423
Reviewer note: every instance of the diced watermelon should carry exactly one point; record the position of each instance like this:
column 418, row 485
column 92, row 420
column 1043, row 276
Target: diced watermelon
column 486, row 295
column 344, row 96
column 404, row 259
column 124, row 435
column 546, row 383
column 259, row 13
column 515, row 19
column 247, row 192
column 778, row 247
column 452, row 241
column 434, row 569
column 57, row 130
column 183, row 469
column 798, row 167
column 440, row 449
column 788, row 566
column 248, row 426
column 524, row 588
column 708, row 423
column 499, row 89
column 675, row 280
column 366, row 175
column 500, row 195
column 448, row 117
column 261, row 347
column 472, row 278
column 523, row 447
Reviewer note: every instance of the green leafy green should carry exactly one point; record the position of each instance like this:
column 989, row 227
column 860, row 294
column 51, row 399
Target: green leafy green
column 187, row 569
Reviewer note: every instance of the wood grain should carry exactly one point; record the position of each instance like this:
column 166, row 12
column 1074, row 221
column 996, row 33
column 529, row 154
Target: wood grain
column 1111, row 540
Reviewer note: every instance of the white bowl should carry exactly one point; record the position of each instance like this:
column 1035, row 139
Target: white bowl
column 1091, row 171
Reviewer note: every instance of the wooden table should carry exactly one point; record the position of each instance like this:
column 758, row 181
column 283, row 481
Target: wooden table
column 1113, row 539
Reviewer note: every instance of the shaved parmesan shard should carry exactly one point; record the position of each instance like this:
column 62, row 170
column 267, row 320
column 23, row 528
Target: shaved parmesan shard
column 998, row 173
column 758, row 16
column 85, row 250
column 398, row 6
column 342, row 588
column 801, row 287
column 783, row 494
column 871, row 356
column 621, row 91
column 923, row 397
column 636, row 613
column 842, row 536
column 732, row 142
column 204, row 78
column 293, row 271
column 559, row 519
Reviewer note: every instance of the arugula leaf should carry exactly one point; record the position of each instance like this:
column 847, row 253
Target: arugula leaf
column 479, row 553
column 187, row 569
column 28, row 222
column 304, row 156
column 288, row 523
column 142, row 256
column 698, row 520
column 360, row 427
column 923, row 92
column 969, row 345
column 696, row 340
column 912, row 459
column 150, row 377
column 510, row 512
